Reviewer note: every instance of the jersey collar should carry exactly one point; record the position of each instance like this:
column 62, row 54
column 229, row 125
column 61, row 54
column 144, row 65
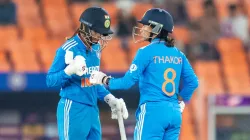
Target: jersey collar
column 157, row 40
column 84, row 47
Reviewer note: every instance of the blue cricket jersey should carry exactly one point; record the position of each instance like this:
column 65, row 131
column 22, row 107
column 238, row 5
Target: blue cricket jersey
column 75, row 87
column 158, row 69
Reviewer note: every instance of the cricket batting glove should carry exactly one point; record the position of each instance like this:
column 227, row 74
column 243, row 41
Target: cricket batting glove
column 98, row 77
column 116, row 105
column 182, row 105
column 75, row 66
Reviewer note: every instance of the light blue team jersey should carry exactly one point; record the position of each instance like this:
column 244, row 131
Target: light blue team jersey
column 158, row 69
column 74, row 87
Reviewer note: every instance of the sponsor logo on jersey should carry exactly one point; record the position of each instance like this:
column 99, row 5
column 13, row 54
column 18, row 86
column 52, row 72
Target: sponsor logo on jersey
column 85, row 81
column 132, row 68
column 89, row 70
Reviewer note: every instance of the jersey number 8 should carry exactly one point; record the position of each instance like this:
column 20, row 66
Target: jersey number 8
column 167, row 80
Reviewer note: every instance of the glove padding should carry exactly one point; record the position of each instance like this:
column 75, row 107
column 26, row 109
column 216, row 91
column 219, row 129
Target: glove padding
column 116, row 105
column 182, row 105
column 97, row 77
column 76, row 66
column 119, row 107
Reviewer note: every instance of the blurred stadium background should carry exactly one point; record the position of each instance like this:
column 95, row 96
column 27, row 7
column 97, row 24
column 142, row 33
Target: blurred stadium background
column 213, row 34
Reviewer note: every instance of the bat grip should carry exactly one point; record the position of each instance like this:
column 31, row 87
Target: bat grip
column 121, row 126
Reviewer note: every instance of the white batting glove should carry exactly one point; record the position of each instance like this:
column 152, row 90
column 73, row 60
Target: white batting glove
column 182, row 105
column 97, row 77
column 124, row 109
column 76, row 66
column 116, row 105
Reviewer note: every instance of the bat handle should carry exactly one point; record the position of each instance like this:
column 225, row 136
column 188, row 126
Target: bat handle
column 121, row 126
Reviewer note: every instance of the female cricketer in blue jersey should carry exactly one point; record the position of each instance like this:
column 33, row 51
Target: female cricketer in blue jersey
column 158, row 67
column 75, row 60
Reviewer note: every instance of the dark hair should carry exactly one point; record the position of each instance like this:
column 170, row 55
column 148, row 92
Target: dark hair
column 163, row 35
column 76, row 32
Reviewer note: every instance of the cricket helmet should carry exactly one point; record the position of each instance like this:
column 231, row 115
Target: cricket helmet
column 158, row 19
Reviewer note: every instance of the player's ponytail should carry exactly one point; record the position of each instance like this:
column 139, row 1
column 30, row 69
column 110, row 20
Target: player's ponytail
column 164, row 36
column 170, row 42
column 76, row 32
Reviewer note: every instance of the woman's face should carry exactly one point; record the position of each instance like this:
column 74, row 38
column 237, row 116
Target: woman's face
column 95, row 36
column 145, row 31
column 99, row 38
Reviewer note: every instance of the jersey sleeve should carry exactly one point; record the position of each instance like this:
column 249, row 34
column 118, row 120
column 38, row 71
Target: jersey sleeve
column 101, row 92
column 56, row 75
column 190, row 80
column 132, row 75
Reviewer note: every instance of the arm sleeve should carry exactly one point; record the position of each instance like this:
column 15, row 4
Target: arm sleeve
column 101, row 92
column 132, row 75
column 56, row 75
column 190, row 80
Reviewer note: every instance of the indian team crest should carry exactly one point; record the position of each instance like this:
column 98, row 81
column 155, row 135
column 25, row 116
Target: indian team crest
column 107, row 21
